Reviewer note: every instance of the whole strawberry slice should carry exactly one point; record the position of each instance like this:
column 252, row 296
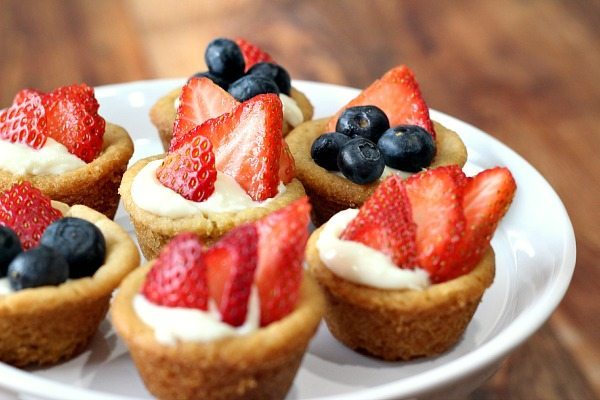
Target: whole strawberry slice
column 78, row 93
column 231, row 264
column 178, row 276
column 27, row 211
column 200, row 100
column 190, row 169
column 282, row 239
column 25, row 121
column 384, row 222
column 252, row 53
column 436, row 202
column 397, row 93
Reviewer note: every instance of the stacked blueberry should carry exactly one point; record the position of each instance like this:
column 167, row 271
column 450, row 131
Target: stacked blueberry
column 363, row 144
column 70, row 248
column 227, row 68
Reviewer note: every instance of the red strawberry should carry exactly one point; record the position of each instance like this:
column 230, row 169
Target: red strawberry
column 27, row 211
column 436, row 203
column 287, row 165
column 178, row 276
column 82, row 94
column 282, row 239
column 384, row 222
column 252, row 53
column 25, row 121
column 200, row 100
column 231, row 265
column 247, row 144
column 397, row 94
column 190, row 170
column 24, row 94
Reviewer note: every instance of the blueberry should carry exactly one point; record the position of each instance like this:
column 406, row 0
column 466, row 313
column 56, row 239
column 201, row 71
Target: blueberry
column 407, row 147
column 325, row 149
column 366, row 121
column 10, row 246
column 274, row 72
column 39, row 266
column 80, row 242
column 249, row 86
column 225, row 59
column 360, row 161
column 217, row 80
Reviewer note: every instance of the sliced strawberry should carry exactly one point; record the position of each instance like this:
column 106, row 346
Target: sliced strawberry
column 287, row 165
column 231, row 265
column 282, row 240
column 81, row 94
column 24, row 94
column 436, row 202
column 27, row 211
column 190, row 170
column 178, row 276
column 397, row 94
column 25, row 121
column 200, row 100
column 384, row 222
column 252, row 53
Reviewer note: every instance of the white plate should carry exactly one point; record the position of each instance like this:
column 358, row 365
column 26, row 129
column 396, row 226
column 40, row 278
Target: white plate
column 535, row 257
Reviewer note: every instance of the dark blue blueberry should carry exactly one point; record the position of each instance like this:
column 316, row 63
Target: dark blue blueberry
column 80, row 243
column 225, row 59
column 365, row 121
column 274, row 72
column 407, row 147
column 249, row 86
column 39, row 266
column 360, row 161
column 10, row 246
column 325, row 149
column 215, row 78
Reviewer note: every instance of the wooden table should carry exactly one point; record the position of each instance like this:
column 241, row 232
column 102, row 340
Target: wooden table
column 527, row 72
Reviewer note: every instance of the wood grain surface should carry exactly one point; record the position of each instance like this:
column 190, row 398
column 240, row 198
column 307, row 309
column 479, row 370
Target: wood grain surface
column 525, row 71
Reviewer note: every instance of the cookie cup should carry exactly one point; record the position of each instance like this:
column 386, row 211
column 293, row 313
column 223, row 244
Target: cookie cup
column 154, row 231
column 45, row 325
column 400, row 324
column 259, row 365
column 163, row 113
column 95, row 184
column 330, row 193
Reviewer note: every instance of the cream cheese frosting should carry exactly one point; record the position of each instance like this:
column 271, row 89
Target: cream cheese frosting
column 52, row 159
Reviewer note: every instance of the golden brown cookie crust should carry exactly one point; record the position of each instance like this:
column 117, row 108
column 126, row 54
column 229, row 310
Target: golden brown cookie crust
column 154, row 231
column 49, row 324
column 163, row 113
column 330, row 193
column 400, row 324
column 260, row 365
column 95, row 184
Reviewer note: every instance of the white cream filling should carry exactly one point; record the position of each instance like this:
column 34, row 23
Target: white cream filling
column 5, row 287
column 52, row 159
column 361, row 264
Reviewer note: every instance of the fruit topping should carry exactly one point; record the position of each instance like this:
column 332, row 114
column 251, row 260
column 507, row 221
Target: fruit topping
column 27, row 211
column 231, row 263
column 25, row 94
column 25, row 121
column 287, row 165
column 224, row 58
column 274, row 72
column 217, row 80
column 10, row 247
column 252, row 53
column 360, row 161
column 249, row 86
column 39, row 266
column 325, row 149
column 407, row 147
column 368, row 122
column 80, row 243
column 190, row 169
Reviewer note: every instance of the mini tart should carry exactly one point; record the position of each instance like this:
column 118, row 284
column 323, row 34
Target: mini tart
column 330, row 193
column 94, row 185
column 400, row 324
column 163, row 113
column 154, row 231
column 259, row 365
column 45, row 325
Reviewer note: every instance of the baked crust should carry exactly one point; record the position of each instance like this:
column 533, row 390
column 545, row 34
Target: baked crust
column 400, row 324
column 260, row 365
column 49, row 324
column 154, row 231
column 94, row 185
column 163, row 113
column 330, row 193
